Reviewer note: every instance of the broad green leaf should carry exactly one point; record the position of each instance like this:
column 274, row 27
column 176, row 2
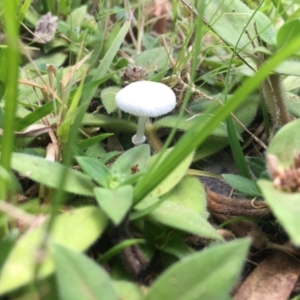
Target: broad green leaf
column 211, row 145
column 7, row 245
column 286, row 143
column 291, row 83
column 286, row 208
column 174, row 245
column 287, row 32
column 152, row 60
column 136, row 156
column 179, row 217
column 56, row 59
column 174, row 177
column 48, row 173
column 245, row 113
column 292, row 102
column 258, row 166
column 77, row 229
column 242, row 184
column 289, row 67
column 228, row 19
column 77, row 16
column 78, row 277
column 189, row 193
column 115, row 202
column 108, row 96
column 95, row 169
column 209, row 274
column 128, row 290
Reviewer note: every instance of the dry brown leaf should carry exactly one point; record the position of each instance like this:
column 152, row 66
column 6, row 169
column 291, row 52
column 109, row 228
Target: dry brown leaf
column 159, row 9
column 36, row 221
column 273, row 279
column 52, row 152
column 33, row 130
column 30, row 131
column 69, row 74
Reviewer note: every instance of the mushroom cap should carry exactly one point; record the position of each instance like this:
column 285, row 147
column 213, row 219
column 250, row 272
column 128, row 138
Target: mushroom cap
column 146, row 99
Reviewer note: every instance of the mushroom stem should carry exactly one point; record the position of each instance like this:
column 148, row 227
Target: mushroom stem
column 139, row 138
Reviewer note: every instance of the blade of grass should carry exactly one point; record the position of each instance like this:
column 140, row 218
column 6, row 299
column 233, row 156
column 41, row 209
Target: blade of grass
column 23, row 9
column 195, row 136
column 9, row 9
column 35, row 116
column 234, row 142
column 236, row 149
column 278, row 5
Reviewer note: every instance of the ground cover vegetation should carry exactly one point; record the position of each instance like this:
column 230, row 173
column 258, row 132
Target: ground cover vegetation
column 207, row 207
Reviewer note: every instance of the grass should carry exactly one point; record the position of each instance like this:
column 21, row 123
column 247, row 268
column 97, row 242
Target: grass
column 58, row 109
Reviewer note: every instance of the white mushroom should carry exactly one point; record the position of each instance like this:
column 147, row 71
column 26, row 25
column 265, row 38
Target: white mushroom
column 145, row 99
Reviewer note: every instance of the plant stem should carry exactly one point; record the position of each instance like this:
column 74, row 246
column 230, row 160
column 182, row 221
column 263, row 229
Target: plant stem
column 275, row 100
column 152, row 137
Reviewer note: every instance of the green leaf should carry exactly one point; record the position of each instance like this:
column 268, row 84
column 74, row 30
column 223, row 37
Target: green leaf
column 286, row 208
column 289, row 67
column 287, row 32
column 77, row 229
column 174, row 177
column 78, row 277
column 84, row 144
column 56, row 59
column 242, row 184
column 244, row 113
column 228, row 18
column 95, row 169
column 108, row 96
column 258, row 166
column 113, row 251
column 35, row 116
column 292, row 102
column 128, row 290
column 178, row 217
column 77, row 16
column 139, row 156
column 115, row 202
column 210, row 146
column 174, row 245
column 209, row 274
column 189, row 122
column 111, row 51
column 189, row 193
column 7, row 245
column 152, row 60
column 286, row 143
column 108, row 123
column 49, row 173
